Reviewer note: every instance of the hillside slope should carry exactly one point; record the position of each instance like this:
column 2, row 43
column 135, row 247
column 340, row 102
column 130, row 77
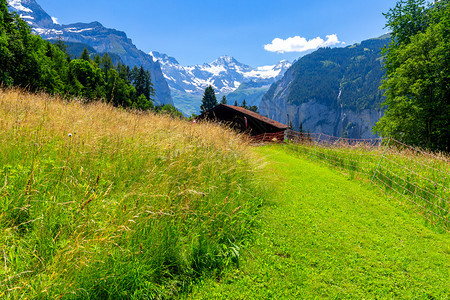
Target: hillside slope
column 101, row 203
column 332, row 91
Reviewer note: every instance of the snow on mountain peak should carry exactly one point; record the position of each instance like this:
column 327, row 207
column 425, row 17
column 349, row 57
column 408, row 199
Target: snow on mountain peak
column 225, row 74
column 17, row 5
column 163, row 59
column 225, row 60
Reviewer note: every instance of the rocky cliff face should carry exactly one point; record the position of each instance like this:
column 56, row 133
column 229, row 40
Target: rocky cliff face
column 331, row 91
column 94, row 34
column 319, row 118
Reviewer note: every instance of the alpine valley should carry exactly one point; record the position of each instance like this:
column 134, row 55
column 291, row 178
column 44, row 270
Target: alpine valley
column 185, row 85
column 332, row 90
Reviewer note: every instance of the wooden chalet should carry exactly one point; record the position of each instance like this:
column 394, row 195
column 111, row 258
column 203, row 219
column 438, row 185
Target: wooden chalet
column 244, row 120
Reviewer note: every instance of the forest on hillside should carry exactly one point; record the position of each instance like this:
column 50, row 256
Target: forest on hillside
column 30, row 62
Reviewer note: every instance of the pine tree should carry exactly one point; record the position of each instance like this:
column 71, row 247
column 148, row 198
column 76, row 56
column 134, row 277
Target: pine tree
column 224, row 100
column 62, row 46
column 235, row 103
column 142, row 82
column 5, row 54
column 209, row 100
column 97, row 60
column 85, row 55
column 244, row 104
column 106, row 64
column 3, row 11
column 124, row 72
column 253, row 108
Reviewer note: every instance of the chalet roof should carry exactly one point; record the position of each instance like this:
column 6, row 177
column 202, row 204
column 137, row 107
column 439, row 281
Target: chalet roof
column 244, row 111
column 257, row 116
column 243, row 120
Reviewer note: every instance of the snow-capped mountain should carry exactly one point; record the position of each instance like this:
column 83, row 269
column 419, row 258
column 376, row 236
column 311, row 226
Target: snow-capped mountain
column 32, row 13
column 225, row 74
column 93, row 34
column 181, row 85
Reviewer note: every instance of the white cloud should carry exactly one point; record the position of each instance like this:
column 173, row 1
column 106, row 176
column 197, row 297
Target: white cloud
column 301, row 44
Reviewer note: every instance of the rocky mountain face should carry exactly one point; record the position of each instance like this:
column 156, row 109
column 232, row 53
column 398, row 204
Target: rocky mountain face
column 94, row 34
column 225, row 74
column 332, row 91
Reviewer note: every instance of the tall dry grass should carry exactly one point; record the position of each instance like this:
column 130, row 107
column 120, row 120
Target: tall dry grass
column 98, row 202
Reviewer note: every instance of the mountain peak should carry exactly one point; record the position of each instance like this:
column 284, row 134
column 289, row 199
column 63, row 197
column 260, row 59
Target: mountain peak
column 163, row 58
column 18, row 6
column 225, row 60
column 284, row 64
column 94, row 35
column 32, row 13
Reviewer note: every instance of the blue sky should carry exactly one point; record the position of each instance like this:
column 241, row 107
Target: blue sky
column 195, row 32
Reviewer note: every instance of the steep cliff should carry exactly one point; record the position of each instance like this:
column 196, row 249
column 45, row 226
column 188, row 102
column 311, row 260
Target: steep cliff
column 332, row 91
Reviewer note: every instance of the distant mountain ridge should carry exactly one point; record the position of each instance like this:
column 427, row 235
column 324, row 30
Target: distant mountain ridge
column 332, row 91
column 94, row 34
column 225, row 74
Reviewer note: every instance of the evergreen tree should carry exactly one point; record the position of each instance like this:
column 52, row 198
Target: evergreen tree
column 62, row 46
column 142, row 82
column 244, row 104
column 85, row 55
column 209, row 100
column 300, row 128
column 224, row 100
column 124, row 72
column 235, row 103
column 253, row 108
column 97, row 60
column 5, row 53
column 106, row 64
column 26, row 60
column 3, row 11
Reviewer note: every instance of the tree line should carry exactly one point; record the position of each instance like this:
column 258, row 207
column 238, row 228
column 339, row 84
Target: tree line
column 30, row 62
column 417, row 82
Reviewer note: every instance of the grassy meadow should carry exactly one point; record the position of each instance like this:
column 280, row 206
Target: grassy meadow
column 98, row 202
column 322, row 235
column 418, row 179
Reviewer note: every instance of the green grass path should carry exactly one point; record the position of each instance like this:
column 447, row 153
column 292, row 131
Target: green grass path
column 323, row 235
